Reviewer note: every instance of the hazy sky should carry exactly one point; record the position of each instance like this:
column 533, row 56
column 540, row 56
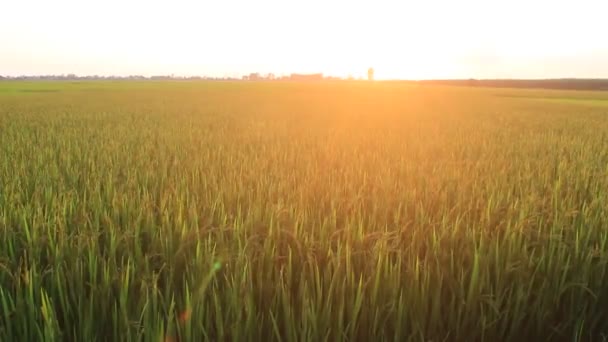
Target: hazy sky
column 400, row 39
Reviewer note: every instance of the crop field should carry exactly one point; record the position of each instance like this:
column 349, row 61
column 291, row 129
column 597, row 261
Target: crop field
column 277, row 211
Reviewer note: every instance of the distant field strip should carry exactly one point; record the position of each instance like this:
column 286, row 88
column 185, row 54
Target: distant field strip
column 590, row 102
column 600, row 99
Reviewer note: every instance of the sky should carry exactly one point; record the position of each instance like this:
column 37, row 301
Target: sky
column 228, row 38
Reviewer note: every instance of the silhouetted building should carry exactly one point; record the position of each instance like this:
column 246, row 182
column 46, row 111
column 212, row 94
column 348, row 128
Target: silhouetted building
column 370, row 74
column 160, row 77
column 306, row 77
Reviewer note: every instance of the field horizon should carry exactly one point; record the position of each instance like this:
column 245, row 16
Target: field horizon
column 564, row 83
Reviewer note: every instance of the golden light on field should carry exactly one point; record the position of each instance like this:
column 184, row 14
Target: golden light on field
column 400, row 39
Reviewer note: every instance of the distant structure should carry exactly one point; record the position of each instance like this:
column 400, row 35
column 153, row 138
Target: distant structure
column 306, row 77
column 370, row 74
column 256, row 76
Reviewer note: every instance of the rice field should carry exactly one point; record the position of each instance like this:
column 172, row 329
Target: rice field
column 345, row 211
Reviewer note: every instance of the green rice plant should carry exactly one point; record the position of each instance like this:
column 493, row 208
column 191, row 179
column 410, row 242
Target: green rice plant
column 218, row 211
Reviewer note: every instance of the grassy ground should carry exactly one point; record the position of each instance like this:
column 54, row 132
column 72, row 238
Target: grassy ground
column 222, row 211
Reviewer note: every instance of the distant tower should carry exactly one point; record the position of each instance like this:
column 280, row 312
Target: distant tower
column 370, row 74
